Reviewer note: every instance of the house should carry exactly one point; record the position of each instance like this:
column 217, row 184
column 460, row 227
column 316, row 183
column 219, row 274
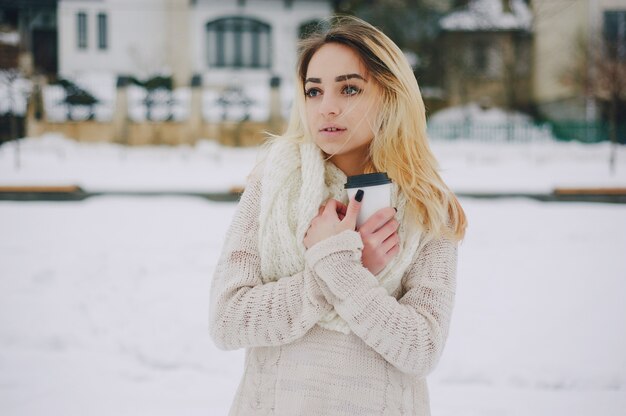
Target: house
column 570, row 41
column 173, row 71
column 223, row 41
column 487, row 47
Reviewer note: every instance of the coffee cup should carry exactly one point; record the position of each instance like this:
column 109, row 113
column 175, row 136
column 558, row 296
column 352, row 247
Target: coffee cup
column 377, row 193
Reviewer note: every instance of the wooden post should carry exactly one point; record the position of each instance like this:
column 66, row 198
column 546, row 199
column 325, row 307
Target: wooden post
column 120, row 116
column 275, row 121
column 195, row 112
column 35, row 115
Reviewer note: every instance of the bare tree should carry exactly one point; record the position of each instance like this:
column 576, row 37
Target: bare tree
column 599, row 73
column 12, row 81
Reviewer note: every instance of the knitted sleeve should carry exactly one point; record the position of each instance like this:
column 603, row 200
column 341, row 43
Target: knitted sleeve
column 244, row 312
column 409, row 333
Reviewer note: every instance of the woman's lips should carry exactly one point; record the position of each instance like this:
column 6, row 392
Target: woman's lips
column 332, row 131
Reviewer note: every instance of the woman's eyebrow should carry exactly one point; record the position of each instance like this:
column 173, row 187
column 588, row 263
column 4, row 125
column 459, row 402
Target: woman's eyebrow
column 349, row 76
column 337, row 79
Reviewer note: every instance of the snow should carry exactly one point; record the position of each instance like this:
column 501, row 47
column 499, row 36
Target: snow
column 236, row 103
column 53, row 96
column 104, row 310
column 489, row 15
column 175, row 104
column 104, row 302
column 474, row 113
column 495, row 151
column 14, row 90
column 10, row 38
column 469, row 166
column 528, row 167
column 100, row 84
column 472, row 122
column 249, row 99
column 55, row 160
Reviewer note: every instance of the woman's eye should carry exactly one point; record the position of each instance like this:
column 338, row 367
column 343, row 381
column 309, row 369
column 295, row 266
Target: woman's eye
column 313, row 92
column 351, row 90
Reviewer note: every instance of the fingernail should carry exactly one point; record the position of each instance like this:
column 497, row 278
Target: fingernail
column 359, row 195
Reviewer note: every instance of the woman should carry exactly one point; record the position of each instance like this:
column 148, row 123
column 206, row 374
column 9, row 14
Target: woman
column 339, row 321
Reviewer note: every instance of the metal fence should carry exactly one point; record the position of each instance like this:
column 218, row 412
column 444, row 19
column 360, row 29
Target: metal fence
column 587, row 132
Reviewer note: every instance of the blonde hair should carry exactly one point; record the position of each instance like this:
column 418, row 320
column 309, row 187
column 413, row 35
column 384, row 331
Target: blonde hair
column 400, row 145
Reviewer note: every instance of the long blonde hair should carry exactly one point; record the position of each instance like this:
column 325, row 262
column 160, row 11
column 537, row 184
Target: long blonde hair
column 400, row 146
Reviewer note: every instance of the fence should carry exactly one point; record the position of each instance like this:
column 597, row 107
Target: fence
column 139, row 119
column 587, row 132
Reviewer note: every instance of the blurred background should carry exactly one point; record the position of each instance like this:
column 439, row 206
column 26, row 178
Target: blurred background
column 127, row 130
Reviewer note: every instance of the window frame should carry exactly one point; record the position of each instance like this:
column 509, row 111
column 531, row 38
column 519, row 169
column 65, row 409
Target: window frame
column 239, row 31
column 614, row 40
column 82, row 32
column 103, row 31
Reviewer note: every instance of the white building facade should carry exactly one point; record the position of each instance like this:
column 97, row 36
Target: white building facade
column 223, row 41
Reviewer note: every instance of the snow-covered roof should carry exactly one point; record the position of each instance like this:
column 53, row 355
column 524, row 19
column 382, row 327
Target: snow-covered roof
column 489, row 15
column 10, row 38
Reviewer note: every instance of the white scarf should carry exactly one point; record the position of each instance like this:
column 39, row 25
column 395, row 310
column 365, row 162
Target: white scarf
column 296, row 181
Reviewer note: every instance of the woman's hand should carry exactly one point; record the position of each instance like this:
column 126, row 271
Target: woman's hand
column 333, row 218
column 379, row 232
column 380, row 240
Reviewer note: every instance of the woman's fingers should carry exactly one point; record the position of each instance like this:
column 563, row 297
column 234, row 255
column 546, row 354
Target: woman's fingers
column 352, row 210
column 392, row 241
column 376, row 238
column 377, row 220
column 391, row 253
column 342, row 209
column 388, row 229
column 331, row 206
column 339, row 208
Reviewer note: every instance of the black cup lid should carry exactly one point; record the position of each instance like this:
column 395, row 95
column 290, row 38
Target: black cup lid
column 368, row 179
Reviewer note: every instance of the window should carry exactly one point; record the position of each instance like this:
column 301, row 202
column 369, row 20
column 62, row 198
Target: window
column 484, row 59
column 523, row 56
column 102, row 31
column 480, row 57
column 82, row 30
column 615, row 34
column 238, row 42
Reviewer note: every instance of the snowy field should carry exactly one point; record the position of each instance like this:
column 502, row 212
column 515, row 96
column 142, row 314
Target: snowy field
column 104, row 305
column 104, row 302
column 467, row 166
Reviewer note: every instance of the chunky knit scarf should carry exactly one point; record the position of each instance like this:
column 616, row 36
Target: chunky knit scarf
column 296, row 181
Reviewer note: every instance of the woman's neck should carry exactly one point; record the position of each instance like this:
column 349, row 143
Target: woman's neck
column 350, row 164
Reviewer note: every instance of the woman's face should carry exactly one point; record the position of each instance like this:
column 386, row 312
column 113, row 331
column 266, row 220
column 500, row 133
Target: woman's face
column 341, row 105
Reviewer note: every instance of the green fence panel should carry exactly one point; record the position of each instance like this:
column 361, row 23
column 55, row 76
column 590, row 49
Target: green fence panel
column 586, row 132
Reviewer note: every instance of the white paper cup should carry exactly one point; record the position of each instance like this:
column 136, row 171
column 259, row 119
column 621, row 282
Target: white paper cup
column 377, row 193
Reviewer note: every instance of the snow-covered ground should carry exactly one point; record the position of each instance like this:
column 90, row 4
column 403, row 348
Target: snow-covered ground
column 104, row 306
column 467, row 165
column 104, row 302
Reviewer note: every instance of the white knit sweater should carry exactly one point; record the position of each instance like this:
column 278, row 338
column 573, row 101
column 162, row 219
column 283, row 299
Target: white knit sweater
column 294, row 367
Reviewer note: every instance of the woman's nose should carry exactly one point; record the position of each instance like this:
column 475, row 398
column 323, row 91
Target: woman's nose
column 330, row 105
